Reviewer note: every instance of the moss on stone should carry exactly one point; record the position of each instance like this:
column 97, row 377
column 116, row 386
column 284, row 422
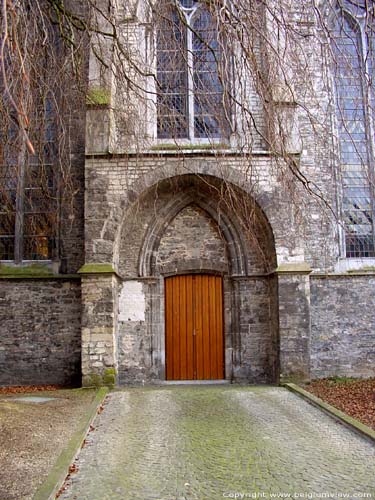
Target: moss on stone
column 31, row 270
column 97, row 268
column 110, row 371
column 98, row 96
column 365, row 269
column 109, row 377
column 92, row 380
column 341, row 380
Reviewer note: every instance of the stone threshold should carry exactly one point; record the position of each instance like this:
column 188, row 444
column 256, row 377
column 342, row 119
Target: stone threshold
column 195, row 382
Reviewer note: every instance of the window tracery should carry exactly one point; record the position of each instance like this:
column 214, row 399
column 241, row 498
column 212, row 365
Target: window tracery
column 190, row 93
column 353, row 45
column 28, row 206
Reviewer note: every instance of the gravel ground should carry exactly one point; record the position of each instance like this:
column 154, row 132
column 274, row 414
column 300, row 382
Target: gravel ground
column 34, row 434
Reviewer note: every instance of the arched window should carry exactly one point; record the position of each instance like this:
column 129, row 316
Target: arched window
column 28, row 205
column 353, row 45
column 190, row 94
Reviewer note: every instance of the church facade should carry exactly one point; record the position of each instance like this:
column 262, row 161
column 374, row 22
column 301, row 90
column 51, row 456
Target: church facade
column 224, row 217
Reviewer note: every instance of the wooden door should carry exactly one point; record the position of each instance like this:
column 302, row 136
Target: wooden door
column 194, row 327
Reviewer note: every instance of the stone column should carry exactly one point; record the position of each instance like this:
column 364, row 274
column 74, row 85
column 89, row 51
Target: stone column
column 99, row 324
column 294, row 321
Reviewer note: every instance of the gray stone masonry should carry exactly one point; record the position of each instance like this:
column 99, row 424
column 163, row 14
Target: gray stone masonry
column 40, row 331
column 343, row 326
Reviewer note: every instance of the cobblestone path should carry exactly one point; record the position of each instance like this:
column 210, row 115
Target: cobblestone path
column 202, row 442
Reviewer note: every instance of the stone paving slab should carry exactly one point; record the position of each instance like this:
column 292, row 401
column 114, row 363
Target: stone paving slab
column 208, row 443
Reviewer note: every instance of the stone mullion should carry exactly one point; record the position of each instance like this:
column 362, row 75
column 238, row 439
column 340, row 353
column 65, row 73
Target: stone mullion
column 20, row 202
column 190, row 77
column 369, row 124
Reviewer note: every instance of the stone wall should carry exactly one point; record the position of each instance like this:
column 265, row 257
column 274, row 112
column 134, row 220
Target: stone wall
column 254, row 345
column 40, row 331
column 343, row 326
column 192, row 237
column 294, row 325
column 139, row 332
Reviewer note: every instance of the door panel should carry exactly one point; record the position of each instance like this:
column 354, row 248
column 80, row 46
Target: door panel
column 194, row 327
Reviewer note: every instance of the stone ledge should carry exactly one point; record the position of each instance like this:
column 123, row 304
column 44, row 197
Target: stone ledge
column 350, row 274
column 294, row 268
column 177, row 152
column 97, row 268
column 51, row 277
column 351, row 422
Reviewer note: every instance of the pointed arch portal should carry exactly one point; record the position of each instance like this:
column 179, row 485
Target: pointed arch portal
column 205, row 274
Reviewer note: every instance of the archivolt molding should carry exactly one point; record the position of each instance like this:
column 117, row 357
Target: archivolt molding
column 229, row 229
column 201, row 168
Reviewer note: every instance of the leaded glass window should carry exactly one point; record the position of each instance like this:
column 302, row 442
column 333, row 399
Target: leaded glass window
column 28, row 205
column 190, row 94
column 353, row 50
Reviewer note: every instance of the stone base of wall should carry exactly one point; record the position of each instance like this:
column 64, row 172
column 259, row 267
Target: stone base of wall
column 343, row 326
column 250, row 336
column 40, row 331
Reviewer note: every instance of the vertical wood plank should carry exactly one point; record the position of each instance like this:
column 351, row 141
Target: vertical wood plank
column 198, row 317
column 183, row 329
column 220, row 328
column 173, row 331
column 168, row 329
column 189, row 328
column 214, row 334
column 206, row 327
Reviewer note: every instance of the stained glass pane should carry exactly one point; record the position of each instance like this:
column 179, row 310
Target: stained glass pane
column 37, row 247
column 172, row 94
column 351, row 81
column 8, row 190
column 6, row 247
column 188, row 4
column 209, row 113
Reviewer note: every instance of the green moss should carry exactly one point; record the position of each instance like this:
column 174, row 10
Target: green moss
column 109, row 377
column 366, row 269
column 189, row 147
column 98, row 96
column 32, row 270
column 96, row 268
column 110, row 371
column 95, row 380
column 340, row 380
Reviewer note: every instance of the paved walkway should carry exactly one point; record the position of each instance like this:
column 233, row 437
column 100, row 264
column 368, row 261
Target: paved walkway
column 208, row 443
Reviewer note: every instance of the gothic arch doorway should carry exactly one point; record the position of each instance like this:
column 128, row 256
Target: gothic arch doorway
column 194, row 336
column 198, row 226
